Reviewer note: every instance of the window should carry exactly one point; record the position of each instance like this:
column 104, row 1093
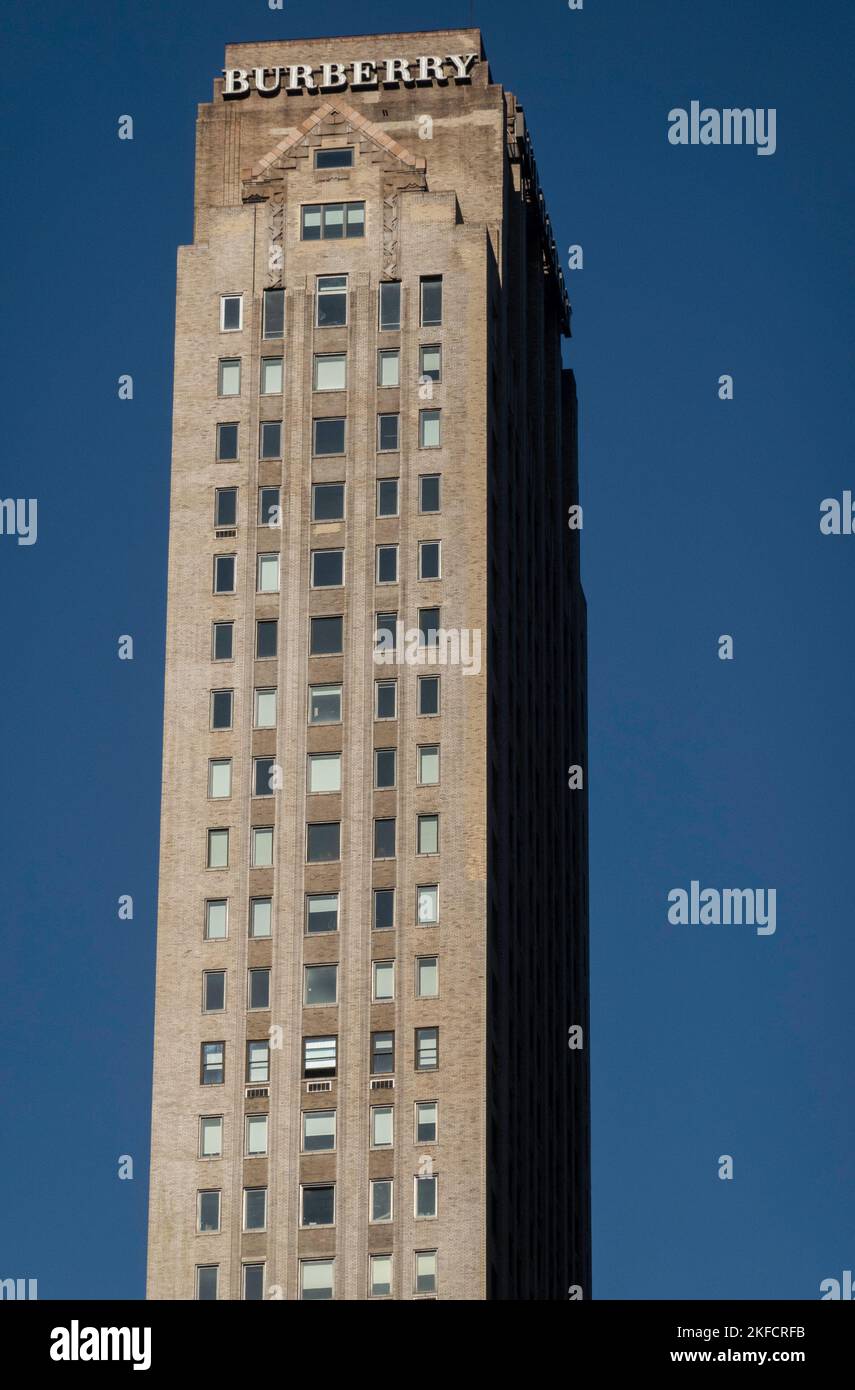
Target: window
column 430, row 562
column 390, row 306
column 323, row 842
column 324, row 772
column 429, row 432
column 255, row 1208
column 271, row 376
column 270, row 439
column 388, row 432
column 382, row 1054
column 273, row 316
column 265, row 709
column 208, row 1211
column 332, row 221
column 206, row 1282
column 256, row 1136
column 231, row 313
column 318, row 1131
column 429, row 627
column 382, row 1126
column 227, row 443
column 334, row 159
column 383, row 981
column 317, row 1205
column 258, row 988
column 387, row 497
column 258, row 1061
column 427, row 834
column 425, row 1271
column 330, row 372
column 262, row 847
column 222, row 644
column 384, row 909
column 266, row 633
column 424, row 1197
column 430, row 361
column 384, row 768
column 216, row 919
column 387, row 564
column 218, row 849
column 326, row 636
column 331, row 301
column 253, row 1283
column 389, row 367
column 379, row 1275
column 427, row 1049
column 385, row 631
column 428, row 688
column 431, row 300
column 328, row 436
column 224, row 574
column 426, row 1121
column 221, row 709
column 319, row 1056
column 225, row 506
column 327, row 569
column 324, row 704
column 210, row 1136
column 328, row 502
column 427, row 904
column 268, row 574
column 228, row 383
column 263, row 776
column 219, row 778
column 269, row 510
column 429, row 497
column 428, row 764
column 260, row 917
column 321, row 912
column 427, row 977
column 213, row 991
column 381, row 1199
column 386, row 698
column 316, row 1279
column 384, row 838
column 213, row 1063
column 320, row 984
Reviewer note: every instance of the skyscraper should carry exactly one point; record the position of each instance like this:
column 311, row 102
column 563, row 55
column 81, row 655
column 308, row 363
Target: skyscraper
column 372, row 933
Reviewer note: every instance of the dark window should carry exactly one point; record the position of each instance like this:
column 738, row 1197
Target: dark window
column 254, row 1208
column 429, row 627
column 428, row 694
column 322, row 912
column 387, row 699
column 266, row 638
column 323, row 842
column 329, row 436
column 328, row 501
column 388, row 431
column 221, row 709
column 384, row 838
column 253, row 1283
column 213, row 1063
column 215, row 991
column 431, row 288
column 390, row 306
column 332, row 301
column 327, row 569
column 384, row 768
column 318, row 1206
column 270, row 439
column 268, row 506
column 223, row 641
column 384, row 632
column 206, row 1282
column 387, row 497
column 225, row 506
column 321, row 984
column 232, row 305
column 224, row 574
column 274, row 314
column 384, row 908
column 326, row 636
column 382, row 1053
column 429, row 492
column 209, row 1211
column 334, row 159
column 262, row 772
column 227, row 443
column 259, row 989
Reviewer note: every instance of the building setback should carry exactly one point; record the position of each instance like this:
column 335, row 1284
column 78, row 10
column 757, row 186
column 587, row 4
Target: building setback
column 372, row 930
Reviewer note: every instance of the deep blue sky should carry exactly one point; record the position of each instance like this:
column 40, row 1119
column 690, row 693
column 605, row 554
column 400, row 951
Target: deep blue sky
column 701, row 518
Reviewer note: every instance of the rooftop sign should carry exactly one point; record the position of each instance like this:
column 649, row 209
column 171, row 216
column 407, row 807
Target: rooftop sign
column 361, row 74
